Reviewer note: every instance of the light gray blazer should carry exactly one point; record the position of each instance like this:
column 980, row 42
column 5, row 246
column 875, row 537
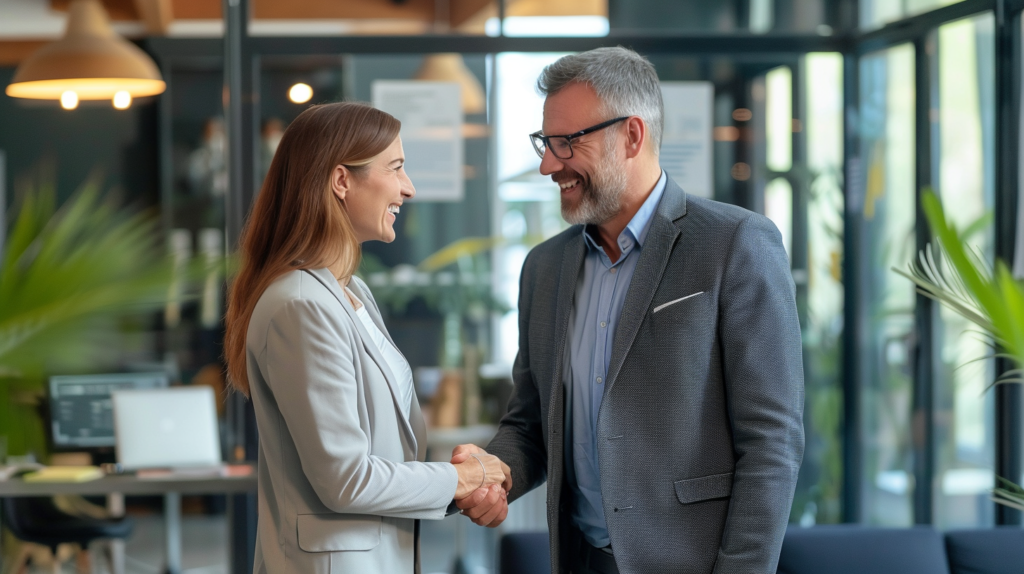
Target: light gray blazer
column 341, row 477
column 700, row 430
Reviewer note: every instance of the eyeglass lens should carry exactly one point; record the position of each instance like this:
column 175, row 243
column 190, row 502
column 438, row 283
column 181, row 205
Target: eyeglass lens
column 560, row 147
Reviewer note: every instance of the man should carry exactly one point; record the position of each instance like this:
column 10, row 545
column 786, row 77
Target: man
column 659, row 380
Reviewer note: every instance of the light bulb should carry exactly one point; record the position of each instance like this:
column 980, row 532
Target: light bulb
column 69, row 100
column 300, row 93
column 122, row 100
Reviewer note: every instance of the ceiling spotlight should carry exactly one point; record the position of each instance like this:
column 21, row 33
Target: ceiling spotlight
column 300, row 93
column 122, row 100
column 69, row 100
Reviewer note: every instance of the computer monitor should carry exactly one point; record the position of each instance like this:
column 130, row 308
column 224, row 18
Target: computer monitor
column 81, row 410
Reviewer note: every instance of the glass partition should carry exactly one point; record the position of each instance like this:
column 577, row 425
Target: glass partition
column 818, row 491
column 964, row 411
column 887, row 148
column 878, row 13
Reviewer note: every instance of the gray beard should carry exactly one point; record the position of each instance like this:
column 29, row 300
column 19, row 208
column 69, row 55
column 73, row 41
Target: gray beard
column 601, row 197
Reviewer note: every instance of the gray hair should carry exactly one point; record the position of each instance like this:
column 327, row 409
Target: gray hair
column 625, row 81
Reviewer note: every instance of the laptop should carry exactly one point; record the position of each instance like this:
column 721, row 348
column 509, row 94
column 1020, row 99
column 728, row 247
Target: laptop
column 81, row 413
column 173, row 428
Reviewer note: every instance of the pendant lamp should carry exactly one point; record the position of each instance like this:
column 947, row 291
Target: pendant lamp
column 452, row 68
column 90, row 60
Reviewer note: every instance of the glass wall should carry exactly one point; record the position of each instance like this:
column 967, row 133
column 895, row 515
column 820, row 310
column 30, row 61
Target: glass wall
column 887, row 148
column 964, row 411
column 878, row 13
column 818, row 491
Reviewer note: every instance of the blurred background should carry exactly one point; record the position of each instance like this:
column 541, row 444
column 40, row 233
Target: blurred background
column 831, row 117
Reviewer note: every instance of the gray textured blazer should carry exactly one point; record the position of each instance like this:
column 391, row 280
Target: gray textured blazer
column 341, row 477
column 700, row 428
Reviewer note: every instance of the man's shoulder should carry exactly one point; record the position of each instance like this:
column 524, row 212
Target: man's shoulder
column 554, row 247
column 716, row 211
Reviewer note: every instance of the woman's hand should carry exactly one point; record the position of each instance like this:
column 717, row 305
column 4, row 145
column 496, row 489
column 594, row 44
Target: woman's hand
column 478, row 470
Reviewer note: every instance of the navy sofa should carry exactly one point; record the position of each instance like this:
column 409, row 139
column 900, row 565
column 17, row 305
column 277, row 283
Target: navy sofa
column 844, row 549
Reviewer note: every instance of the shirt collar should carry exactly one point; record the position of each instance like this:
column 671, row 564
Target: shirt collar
column 637, row 228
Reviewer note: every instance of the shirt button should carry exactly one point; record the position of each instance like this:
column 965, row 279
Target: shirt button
column 600, row 380
column 614, row 269
column 604, row 324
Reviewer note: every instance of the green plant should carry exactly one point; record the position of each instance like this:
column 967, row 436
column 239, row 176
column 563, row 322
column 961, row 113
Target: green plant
column 461, row 296
column 69, row 277
column 958, row 277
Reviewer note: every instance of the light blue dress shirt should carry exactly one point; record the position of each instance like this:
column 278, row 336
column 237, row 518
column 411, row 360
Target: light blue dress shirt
column 600, row 292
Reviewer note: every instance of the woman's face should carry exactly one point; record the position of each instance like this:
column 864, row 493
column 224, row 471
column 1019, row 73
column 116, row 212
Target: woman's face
column 374, row 195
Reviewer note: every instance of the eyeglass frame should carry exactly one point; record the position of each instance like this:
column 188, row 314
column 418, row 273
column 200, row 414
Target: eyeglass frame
column 537, row 135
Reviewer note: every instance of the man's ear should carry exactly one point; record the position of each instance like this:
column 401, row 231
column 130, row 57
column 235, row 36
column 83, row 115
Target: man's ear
column 341, row 180
column 636, row 135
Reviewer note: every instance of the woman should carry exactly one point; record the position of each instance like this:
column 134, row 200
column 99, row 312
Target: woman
column 341, row 477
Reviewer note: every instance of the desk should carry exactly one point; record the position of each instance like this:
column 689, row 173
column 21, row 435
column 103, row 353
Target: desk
column 171, row 488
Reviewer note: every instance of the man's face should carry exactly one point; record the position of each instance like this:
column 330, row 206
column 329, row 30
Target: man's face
column 593, row 180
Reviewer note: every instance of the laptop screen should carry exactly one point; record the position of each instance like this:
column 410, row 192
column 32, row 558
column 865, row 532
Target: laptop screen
column 81, row 411
column 167, row 428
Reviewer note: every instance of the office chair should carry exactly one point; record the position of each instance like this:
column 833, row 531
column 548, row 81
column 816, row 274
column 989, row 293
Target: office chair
column 38, row 520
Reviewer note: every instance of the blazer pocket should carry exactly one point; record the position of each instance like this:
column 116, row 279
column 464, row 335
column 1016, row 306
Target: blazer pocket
column 704, row 488
column 675, row 301
column 338, row 532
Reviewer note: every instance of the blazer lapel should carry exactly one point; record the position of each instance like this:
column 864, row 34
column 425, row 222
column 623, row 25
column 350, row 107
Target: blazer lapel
column 325, row 277
column 654, row 256
column 572, row 261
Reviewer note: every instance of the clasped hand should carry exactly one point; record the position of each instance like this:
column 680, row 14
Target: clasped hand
column 486, row 505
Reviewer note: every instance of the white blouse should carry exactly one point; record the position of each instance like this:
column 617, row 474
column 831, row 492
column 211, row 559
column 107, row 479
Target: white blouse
column 396, row 362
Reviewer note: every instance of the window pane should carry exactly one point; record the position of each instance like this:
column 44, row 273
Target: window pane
column 779, row 120
column 723, row 16
column 878, row 13
column 778, row 206
column 964, row 430
column 887, row 149
column 818, row 488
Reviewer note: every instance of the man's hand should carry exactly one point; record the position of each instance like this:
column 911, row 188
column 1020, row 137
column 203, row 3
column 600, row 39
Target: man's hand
column 487, row 506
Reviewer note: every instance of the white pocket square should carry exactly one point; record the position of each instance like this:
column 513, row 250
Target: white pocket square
column 674, row 301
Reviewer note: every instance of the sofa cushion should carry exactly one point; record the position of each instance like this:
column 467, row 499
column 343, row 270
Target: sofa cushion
column 855, row 549
column 987, row 551
column 525, row 553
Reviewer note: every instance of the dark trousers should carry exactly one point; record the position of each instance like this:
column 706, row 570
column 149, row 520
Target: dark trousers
column 582, row 558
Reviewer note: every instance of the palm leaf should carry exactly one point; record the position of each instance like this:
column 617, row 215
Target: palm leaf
column 67, row 274
column 960, row 278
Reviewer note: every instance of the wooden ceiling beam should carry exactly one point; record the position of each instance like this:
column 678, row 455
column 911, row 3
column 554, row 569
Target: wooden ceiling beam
column 118, row 10
column 465, row 11
column 157, row 15
column 12, row 52
column 349, row 9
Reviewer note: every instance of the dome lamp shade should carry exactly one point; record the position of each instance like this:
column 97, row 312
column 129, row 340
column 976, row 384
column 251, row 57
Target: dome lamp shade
column 91, row 60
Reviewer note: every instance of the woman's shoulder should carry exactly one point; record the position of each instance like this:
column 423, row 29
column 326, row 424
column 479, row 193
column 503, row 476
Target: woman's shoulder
column 295, row 289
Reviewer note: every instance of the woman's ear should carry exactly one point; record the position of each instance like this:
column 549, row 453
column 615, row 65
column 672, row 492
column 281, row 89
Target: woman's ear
column 341, row 179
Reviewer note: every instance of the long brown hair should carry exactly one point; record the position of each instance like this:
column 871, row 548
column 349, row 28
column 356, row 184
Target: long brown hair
column 297, row 222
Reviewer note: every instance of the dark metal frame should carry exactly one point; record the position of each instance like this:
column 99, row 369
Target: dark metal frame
column 927, row 324
column 1009, row 427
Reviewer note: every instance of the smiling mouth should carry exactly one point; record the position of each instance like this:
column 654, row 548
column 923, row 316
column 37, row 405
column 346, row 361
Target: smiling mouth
column 567, row 186
column 393, row 209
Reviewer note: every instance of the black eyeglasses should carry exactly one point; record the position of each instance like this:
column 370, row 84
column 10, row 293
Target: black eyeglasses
column 561, row 146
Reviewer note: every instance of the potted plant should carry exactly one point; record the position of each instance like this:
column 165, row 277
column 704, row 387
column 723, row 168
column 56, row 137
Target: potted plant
column 69, row 278
column 956, row 276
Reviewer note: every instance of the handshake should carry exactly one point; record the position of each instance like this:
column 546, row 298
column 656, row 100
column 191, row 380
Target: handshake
column 484, row 483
